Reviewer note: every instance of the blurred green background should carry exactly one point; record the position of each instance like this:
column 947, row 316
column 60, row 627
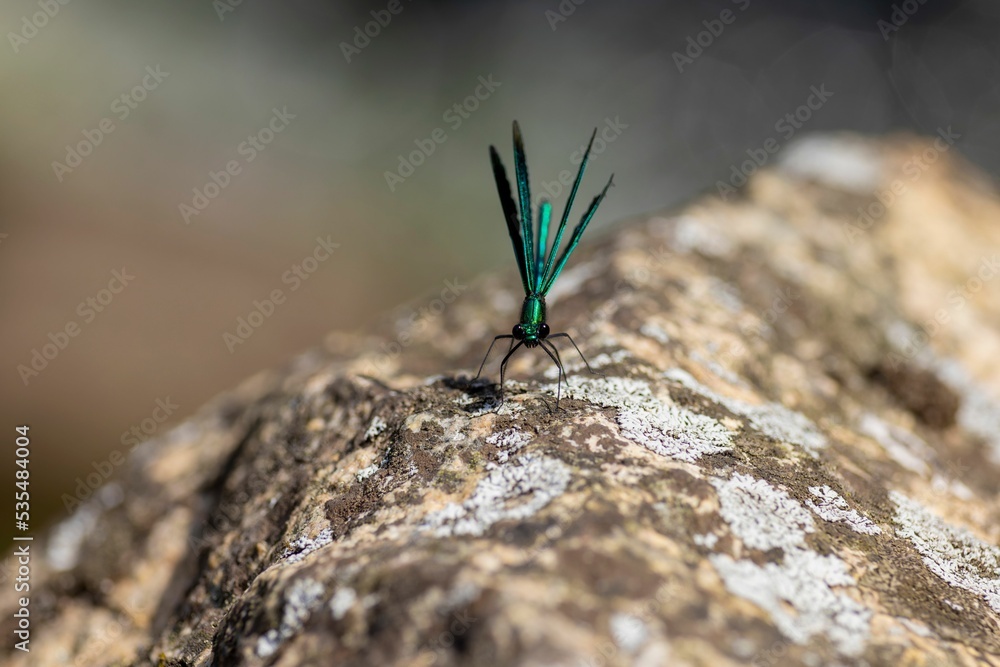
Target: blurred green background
column 141, row 103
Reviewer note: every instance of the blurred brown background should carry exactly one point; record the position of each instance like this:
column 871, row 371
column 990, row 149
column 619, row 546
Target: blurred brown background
column 200, row 78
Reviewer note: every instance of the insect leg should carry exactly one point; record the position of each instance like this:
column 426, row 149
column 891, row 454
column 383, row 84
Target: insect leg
column 503, row 365
column 549, row 349
column 490, row 350
column 566, row 335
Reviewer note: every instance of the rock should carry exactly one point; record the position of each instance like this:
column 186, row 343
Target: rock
column 792, row 459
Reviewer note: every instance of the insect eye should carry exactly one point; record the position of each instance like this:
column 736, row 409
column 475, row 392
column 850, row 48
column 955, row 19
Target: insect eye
column 543, row 330
column 518, row 332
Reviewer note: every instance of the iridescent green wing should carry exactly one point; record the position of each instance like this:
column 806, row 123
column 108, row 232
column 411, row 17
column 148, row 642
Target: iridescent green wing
column 510, row 214
column 565, row 217
column 524, row 192
column 544, row 216
column 575, row 238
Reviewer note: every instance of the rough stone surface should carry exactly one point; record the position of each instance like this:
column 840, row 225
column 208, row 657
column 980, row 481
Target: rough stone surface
column 791, row 459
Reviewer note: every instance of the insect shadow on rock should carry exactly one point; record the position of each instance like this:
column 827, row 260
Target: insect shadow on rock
column 536, row 261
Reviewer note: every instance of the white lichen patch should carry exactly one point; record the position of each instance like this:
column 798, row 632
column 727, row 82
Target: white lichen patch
column 511, row 492
column 377, row 426
column 780, row 423
column 979, row 411
column 301, row 547
column 511, row 439
column 980, row 414
column 63, row 552
column 341, row 602
column 655, row 423
column 67, row 538
column 454, row 430
column 367, row 472
column 726, row 295
column 603, row 360
column 694, row 234
column 772, row 419
column 508, row 442
column 834, row 160
column 628, row 631
column 574, row 364
column 797, row 593
column 917, row 628
column 762, row 516
column 902, row 446
column 912, row 453
column 942, row 484
column 655, row 331
column 462, row 595
column 799, row 597
column 832, row 507
column 301, row 599
column 952, row 553
column 718, row 369
column 708, row 540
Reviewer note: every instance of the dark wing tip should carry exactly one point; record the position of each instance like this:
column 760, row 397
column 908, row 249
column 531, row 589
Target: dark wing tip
column 518, row 139
column 590, row 144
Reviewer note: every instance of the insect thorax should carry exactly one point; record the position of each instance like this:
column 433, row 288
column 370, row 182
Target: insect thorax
column 532, row 314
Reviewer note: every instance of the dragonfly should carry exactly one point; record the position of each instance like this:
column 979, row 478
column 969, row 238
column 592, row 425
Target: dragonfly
column 537, row 261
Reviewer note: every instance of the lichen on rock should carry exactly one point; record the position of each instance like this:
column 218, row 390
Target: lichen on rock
column 780, row 465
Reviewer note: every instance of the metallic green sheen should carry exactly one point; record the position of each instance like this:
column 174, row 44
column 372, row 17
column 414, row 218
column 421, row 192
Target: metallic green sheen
column 510, row 215
column 575, row 239
column 544, row 216
column 537, row 261
column 532, row 316
column 546, row 278
column 524, row 192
